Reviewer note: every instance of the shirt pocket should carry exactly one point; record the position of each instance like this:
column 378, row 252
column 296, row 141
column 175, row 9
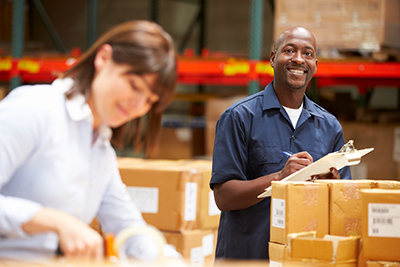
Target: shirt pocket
column 265, row 155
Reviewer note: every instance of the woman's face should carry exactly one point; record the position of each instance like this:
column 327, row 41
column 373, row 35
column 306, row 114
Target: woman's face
column 117, row 96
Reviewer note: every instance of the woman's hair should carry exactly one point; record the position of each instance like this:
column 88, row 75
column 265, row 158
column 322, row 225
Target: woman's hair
column 147, row 48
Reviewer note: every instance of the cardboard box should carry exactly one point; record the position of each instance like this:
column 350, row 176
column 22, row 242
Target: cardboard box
column 328, row 251
column 168, row 192
column 381, row 224
column 350, row 24
column 278, row 254
column 209, row 214
column 383, row 264
column 380, row 164
column 345, row 206
column 386, row 184
column 196, row 246
column 174, row 143
column 298, row 207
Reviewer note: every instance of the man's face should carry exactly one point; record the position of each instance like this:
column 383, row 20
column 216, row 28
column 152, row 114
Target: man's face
column 294, row 60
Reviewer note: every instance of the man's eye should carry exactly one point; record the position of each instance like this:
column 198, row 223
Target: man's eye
column 309, row 54
column 289, row 51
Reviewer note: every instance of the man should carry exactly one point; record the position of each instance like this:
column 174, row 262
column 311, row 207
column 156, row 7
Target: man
column 251, row 136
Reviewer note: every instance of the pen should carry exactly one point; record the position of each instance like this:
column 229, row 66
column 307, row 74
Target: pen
column 288, row 154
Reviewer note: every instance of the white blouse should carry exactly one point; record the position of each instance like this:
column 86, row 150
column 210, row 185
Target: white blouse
column 48, row 158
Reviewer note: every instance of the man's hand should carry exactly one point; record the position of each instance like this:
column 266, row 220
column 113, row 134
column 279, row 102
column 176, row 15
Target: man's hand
column 294, row 163
column 333, row 174
column 77, row 240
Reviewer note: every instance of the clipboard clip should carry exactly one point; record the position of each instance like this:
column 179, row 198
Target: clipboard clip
column 353, row 155
column 348, row 147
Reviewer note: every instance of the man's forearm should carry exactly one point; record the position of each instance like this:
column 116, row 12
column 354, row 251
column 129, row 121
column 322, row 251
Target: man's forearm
column 240, row 194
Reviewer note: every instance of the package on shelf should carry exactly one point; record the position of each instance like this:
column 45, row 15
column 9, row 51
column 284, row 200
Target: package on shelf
column 169, row 192
column 278, row 254
column 345, row 205
column 380, row 224
column 174, row 143
column 351, row 24
column 196, row 246
column 298, row 207
column 330, row 250
column 383, row 162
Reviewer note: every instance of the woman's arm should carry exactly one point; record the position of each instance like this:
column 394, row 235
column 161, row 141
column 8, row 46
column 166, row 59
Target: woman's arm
column 76, row 239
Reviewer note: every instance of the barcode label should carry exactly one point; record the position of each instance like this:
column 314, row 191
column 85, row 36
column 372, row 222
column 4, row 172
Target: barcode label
column 278, row 213
column 383, row 220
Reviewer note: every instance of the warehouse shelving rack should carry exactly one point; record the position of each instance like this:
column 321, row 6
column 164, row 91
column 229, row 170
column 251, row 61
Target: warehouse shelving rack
column 196, row 70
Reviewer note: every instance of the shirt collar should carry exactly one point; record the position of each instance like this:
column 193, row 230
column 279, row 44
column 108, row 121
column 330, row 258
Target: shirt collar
column 271, row 101
column 78, row 109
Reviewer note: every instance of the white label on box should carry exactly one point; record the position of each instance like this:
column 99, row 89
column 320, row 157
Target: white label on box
column 384, row 220
column 396, row 146
column 208, row 244
column 190, row 201
column 145, row 198
column 278, row 213
column 274, row 264
column 212, row 206
column 197, row 257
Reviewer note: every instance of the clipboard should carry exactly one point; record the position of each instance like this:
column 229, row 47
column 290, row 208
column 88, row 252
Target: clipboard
column 337, row 160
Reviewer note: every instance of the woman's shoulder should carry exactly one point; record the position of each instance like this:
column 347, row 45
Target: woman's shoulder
column 43, row 96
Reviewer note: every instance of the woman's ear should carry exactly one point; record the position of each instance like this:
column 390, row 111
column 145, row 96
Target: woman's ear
column 103, row 55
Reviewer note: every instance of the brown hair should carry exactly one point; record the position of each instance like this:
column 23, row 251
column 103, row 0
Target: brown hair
column 147, row 48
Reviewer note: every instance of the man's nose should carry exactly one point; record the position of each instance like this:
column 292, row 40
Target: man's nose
column 298, row 58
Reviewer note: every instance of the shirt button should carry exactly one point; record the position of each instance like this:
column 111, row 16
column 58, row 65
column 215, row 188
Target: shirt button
column 293, row 137
column 83, row 183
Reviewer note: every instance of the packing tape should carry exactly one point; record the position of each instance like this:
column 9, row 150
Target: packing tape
column 310, row 197
column 129, row 232
column 351, row 190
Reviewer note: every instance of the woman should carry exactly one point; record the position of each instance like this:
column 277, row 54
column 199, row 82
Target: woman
column 58, row 170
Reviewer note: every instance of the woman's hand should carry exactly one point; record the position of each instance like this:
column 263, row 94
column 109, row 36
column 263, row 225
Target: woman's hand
column 77, row 240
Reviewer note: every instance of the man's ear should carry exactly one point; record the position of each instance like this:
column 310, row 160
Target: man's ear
column 272, row 59
column 316, row 65
column 103, row 55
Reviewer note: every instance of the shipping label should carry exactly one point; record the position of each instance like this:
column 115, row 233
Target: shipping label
column 383, row 220
column 190, row 201
column 145, row 198
column 278, row 213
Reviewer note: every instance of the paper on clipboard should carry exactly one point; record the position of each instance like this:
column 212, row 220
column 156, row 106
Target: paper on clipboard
column 337, row 160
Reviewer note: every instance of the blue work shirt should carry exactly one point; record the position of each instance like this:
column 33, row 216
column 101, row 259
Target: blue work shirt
column 250, row 138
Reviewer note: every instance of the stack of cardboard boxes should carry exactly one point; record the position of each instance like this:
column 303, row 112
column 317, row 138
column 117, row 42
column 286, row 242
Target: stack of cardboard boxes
column 344, row 215
column 175, row 197
column 352, row 24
